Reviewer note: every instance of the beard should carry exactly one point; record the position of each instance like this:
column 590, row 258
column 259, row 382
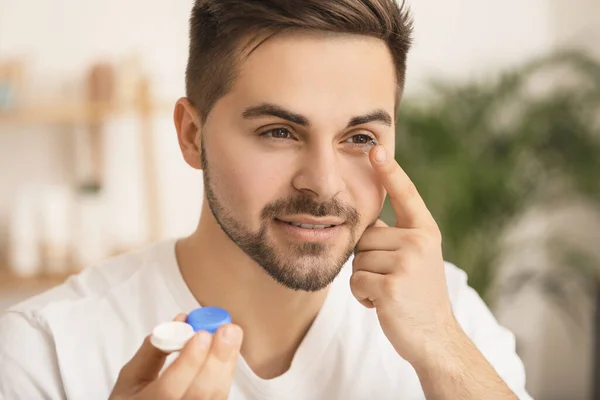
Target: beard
column 306, row 267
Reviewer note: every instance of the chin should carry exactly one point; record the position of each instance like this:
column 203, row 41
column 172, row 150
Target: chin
column 307, row 272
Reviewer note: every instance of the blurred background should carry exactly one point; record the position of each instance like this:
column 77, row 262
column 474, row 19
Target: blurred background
column 499, row 129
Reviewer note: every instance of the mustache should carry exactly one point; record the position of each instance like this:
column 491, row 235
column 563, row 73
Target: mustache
column 308, row 205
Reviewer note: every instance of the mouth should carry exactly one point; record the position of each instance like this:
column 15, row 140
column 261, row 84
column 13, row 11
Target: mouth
column 311, row 222
column 307, row 226
column 310, row 229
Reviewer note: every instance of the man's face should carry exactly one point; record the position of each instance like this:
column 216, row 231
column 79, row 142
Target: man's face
column 286, row 147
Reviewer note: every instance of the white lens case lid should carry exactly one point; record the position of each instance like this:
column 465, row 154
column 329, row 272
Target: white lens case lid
column 171, row 336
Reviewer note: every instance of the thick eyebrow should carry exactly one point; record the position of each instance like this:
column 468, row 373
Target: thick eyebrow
column 273, row 110
column 374, row 116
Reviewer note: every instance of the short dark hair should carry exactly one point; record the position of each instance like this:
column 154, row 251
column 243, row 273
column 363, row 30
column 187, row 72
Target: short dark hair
column 218, row 27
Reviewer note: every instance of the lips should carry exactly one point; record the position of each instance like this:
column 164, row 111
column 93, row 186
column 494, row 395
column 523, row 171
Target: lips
column 303, row 232
column 311, row 223
column 308, row 226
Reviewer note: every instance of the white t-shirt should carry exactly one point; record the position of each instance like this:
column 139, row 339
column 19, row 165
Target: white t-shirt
column 72, row 341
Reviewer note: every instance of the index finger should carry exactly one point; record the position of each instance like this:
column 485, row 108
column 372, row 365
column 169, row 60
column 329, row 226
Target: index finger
column 217, row 372
column 179, row 376
column 410, row 209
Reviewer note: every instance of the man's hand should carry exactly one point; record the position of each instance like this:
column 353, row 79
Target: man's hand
column 400, row 272
column 203, row 370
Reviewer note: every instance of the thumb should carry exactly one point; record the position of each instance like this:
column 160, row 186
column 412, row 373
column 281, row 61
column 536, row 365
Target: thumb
column 146, row 363
column 144, row 366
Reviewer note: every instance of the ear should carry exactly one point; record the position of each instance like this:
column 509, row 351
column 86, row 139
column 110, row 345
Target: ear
column 188, row 126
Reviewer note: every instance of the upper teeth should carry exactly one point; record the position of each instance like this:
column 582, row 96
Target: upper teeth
column 309, row 226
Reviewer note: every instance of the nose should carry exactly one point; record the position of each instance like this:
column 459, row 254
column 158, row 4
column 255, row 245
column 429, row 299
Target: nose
column 320, row 174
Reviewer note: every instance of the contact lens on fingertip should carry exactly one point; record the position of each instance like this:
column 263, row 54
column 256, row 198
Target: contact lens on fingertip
column 372, row 143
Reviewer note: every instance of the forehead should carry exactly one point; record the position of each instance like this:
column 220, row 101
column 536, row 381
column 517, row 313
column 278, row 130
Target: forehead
column 318, row 74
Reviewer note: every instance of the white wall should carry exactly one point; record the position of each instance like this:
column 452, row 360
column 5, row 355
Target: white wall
column 468, row 39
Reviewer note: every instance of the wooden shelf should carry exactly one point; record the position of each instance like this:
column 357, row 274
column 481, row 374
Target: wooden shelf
column 9, row 282
column 65, row 114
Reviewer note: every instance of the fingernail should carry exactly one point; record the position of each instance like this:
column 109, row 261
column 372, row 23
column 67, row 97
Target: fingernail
column 380, row 155
column 203, row 340
column 232, row 334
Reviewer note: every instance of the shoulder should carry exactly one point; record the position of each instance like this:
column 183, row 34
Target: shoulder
column 93, row 282
column 36, row 335
column 110, row 283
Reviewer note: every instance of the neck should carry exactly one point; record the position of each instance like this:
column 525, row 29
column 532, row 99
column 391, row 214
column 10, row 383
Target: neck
column 274, row 318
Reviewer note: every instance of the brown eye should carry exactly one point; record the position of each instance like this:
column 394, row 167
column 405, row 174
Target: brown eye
column 277, row 133
column 361, row 139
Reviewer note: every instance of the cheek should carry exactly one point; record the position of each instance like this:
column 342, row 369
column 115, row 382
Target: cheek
column 247, row 182
column 362, row 184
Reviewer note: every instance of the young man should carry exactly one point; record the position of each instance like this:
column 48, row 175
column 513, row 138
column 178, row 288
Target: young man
column 290, row 115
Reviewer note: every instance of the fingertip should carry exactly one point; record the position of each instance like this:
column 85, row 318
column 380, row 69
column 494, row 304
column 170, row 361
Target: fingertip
column 202, row 340
column 231, row 334
column 379, row 155
column 198, row 345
